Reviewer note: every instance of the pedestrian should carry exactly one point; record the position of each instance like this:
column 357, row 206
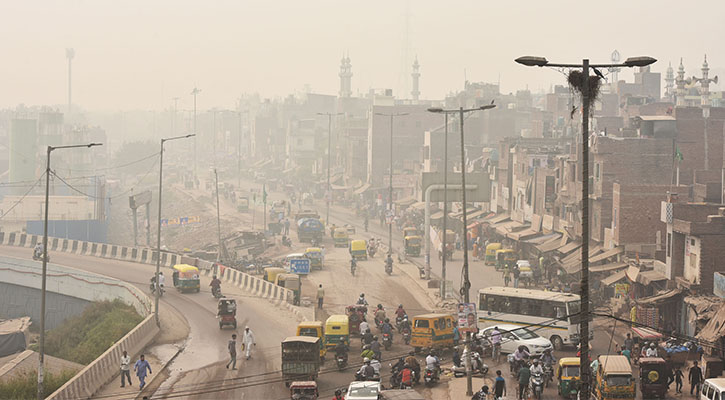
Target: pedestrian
column 678, row 380
column 628, row 342
column 248, row 341
column 320, row 296
column 695, row 377
column 286, row 226
column 232, row 347
column 524, row 375
column 125, row 369
column 517, row 273
column 458, row 241
column 499, row 386
column 456, row 333
column 140, row 368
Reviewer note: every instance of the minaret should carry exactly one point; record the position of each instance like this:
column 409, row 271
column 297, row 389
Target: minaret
column 705, row 85
column 416, row 78
column 345, row 77
column 680, row 82
column 670, row 83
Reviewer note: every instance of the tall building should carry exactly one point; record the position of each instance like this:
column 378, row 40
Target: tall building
column 670, row 84
column 345, row 77
column 416, row 79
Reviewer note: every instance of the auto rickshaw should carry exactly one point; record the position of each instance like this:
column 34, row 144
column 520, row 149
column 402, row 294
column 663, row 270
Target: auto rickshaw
column 270, row 273
column 359, row 249
column 490, row 258
column 243, row 205
column 614, row 379
column 652, row 377
column 303, row 390
column 227, row 312
column 409, row 231
column 341, row 237
column 355, row 315
column 314, row 254
column 432, row 330
column 505, row 257
column 412, row 246
column 313, row 329
column 292, row 282
column 337, row 330
column 569, row 375
column 186, row 278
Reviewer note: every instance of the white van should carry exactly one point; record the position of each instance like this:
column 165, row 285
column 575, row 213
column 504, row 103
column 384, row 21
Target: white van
column 713, row 389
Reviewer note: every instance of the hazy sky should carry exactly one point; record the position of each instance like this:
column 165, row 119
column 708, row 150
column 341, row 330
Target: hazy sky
column 139, row 54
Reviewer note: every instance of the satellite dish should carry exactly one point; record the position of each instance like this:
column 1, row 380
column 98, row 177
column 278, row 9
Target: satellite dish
column 615, row 57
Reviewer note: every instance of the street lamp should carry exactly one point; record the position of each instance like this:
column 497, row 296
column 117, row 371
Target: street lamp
column 158, row 232
column 530, row 61
column 329, row 140
column 41, row 342
column 390, row 195
column 466, row 289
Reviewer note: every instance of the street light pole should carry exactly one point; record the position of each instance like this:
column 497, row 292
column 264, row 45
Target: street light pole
column 194, row 93
column 445, row 214
column 329, row 141
column 158, row 231
column 390, row 175
column 530, row 61
column 466, row 289
column 41, row 341
column 218, row 219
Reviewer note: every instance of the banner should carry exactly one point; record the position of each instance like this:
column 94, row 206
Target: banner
column 467, row 319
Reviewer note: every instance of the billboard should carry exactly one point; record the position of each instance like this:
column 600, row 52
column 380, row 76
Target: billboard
column 478, row 186
column 467, row 319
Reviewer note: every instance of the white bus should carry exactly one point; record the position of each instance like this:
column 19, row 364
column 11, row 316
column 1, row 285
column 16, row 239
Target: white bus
column 544, row 312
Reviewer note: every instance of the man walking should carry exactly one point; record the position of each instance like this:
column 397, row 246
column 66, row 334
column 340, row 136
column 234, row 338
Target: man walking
column 695, row 377
column 141, row 367
column 125, row 369
column 320, row 296
column 248, row 341
column 499, row 386
column 232, row 347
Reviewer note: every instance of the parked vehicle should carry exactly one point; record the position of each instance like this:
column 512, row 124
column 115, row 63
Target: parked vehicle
column 713, row 388
column 300, row 359
column 270, row 273
column 292, row 282
column 310, row 230
column 652, row 377
column 412, row 245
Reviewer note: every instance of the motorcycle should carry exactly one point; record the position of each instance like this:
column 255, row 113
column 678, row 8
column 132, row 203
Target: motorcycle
column 216, row 292
column 387, row 341
column 406, row 336
column 431, row 376
column 152, row 286
column 341, row 361
column 389, row 266
column 536, row 385
column 399, row 323
column 359, row 377
column 548, row 374
column 477, row 364
column 38, row 256
column 371, row 250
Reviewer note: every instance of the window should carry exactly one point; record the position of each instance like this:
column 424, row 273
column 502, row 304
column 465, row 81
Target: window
column 421, row 323
column 692, row 242
column 669, row 244
column 614, row 219
column 435, row 324
column 596, row 171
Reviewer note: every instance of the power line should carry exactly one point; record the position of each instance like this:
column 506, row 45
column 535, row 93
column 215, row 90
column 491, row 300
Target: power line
column 75, row 189
column 112, row 167
column 23, row 196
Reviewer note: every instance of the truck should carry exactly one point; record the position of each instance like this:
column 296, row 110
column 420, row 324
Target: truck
column 310, row 230
column 300, row 359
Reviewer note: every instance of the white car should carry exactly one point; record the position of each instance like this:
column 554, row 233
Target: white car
column 513, row 336
column 363, row 390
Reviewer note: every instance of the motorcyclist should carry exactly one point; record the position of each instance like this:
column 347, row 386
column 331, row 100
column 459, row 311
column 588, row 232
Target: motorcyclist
column 367, row 337
column 400, row 312
column 413, row 364
column 536, row 368
column 341, row 351
column 361, row 300
column 521, row 355
column 367, row 353
column 547, row 358
column 375, row 363
column 375, row 347
column 387, row 327
column 432, row 363
column 353, row 265
column 366, row 372
column 215, row 284
column 652, row 350
column 405, row 324
column 162, row 280
column 338, row 395
column 380, row 314
column 364, row 327
column 389, row 261
column 38, row 250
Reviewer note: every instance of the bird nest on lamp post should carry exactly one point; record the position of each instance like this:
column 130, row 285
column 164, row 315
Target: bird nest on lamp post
column 576, row 81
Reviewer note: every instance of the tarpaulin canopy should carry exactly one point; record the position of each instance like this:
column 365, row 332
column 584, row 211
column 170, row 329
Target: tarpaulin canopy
column 660, row 297
column 609, row 267
column 647, row 277
column 437, row 215
column 614, row 278
column 475, row 214
column 551, row 246
column 522, row 234
column 645, row 333
column 609, row 253
column 498, row 218
column 509, row 226
column 545, row 239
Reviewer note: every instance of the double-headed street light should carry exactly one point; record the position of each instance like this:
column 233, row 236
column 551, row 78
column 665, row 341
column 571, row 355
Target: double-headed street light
column 329, row 140
column 466, row 289
column 158, row 232
column 41, row 342
column 390, row 194
column 531, row 61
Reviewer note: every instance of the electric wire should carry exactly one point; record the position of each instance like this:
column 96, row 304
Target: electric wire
column 23, row 196
column 114, row 166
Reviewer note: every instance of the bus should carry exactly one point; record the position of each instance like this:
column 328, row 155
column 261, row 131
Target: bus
column 553, row 315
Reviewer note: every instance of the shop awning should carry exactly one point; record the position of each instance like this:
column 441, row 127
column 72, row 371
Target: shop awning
column 660, row 297
column 406, row 201
column 475, row 214
column 570, row 247
column 418, row 205
column 362, row 189
column 609, row 267
column 551, row 246
column 497, row 219
column 523, row 234
column 508, row 227
column 609, row 253
column 459, row 214
column 632, row 273
column 647, row 277
column 545, row 238
column 614, row 278
column 339, row 187
column 437, row 215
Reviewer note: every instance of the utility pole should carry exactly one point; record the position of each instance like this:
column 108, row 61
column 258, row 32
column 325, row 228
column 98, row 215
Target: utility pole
column 390, row 184
column 194, row 93
column 584, row 314
column 328, row 196
column 218, row 219
column 466, row 289
column 445, row 213
column 44, row 271
column 173, row 116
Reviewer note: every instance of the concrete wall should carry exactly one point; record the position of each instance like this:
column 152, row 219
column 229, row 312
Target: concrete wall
column 19, row 301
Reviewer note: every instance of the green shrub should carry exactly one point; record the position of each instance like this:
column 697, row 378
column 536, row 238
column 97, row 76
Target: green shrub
column 83, row 338
column 25, row 386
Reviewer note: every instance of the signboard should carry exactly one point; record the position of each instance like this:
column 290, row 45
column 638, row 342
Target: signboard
column 718, row 285
column 467, row 319
column 176, row 221
column 137, row 200
column 300, row 266
column 478, row 186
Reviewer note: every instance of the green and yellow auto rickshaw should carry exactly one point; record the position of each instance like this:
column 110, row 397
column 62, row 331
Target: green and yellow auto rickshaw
column 409, row 231
column 412, row 245
column 568, row 374
column 359, row 249
column 490, row 258
column 337, row 330
column 314, row 254
column 505, row 257
column 291, row 282
column 341, row 237
column 270, row 273
column 186, row 278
